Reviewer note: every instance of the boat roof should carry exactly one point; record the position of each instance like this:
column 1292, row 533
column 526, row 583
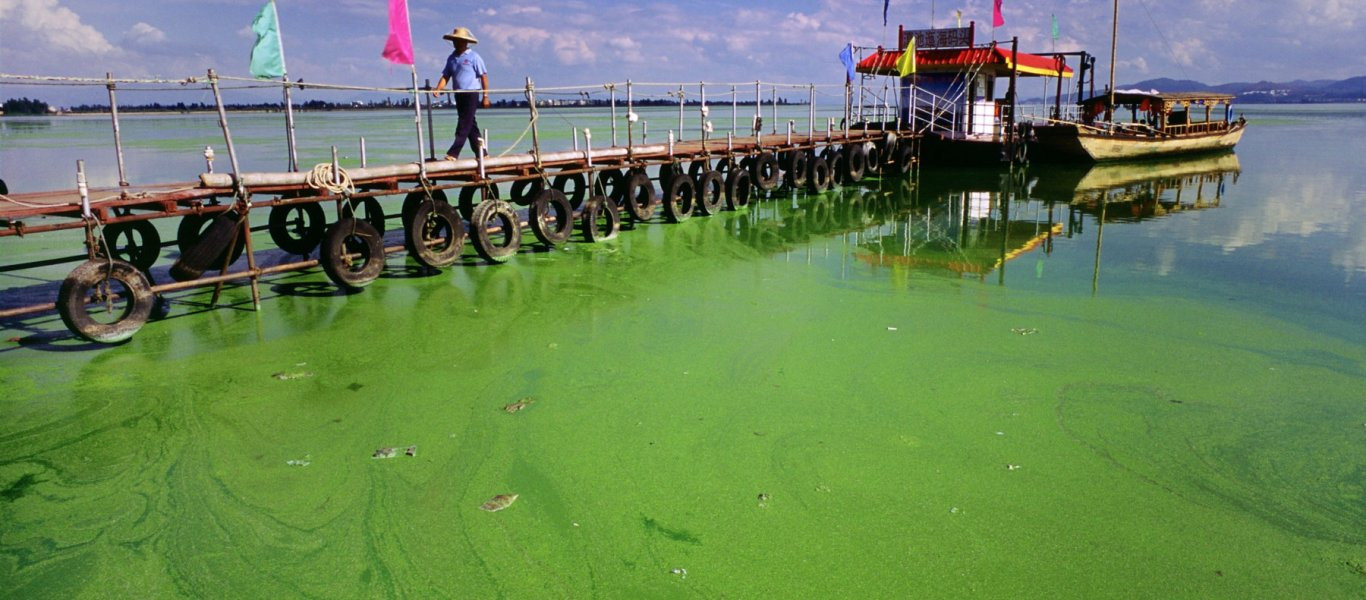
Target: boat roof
column 1162, row 99
column 992, row 58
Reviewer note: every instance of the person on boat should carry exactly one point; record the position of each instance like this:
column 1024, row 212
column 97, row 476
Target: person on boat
column 465, row 71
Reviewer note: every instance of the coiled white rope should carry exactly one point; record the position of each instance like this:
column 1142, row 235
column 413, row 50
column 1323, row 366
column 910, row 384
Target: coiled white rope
column 322, row 178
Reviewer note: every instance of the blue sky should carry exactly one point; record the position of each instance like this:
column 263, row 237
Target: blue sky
column 567, row 42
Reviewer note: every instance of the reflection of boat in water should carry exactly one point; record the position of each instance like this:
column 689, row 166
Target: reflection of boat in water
column 1137, row 190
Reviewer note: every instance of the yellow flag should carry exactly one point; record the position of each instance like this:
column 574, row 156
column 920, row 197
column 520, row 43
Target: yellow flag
column 905, row 65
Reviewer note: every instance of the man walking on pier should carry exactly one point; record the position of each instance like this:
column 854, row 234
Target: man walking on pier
column 465, row 71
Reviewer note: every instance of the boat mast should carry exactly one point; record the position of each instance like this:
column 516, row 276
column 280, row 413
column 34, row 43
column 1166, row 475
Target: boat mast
column 1114, row 33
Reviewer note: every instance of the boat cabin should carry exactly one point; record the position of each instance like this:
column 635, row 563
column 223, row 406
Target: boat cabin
column 1153, row 113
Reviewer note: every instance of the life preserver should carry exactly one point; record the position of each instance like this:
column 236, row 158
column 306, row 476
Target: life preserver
column 818, row 175
column 137, row 242
column 486, row 216
column 680, row 196
column 206, row 243
column 352, row 253
column 436, row 235
column 563, row 181
column 551, row 217
column 763, row 170
column 599, row 220
column 738, row 189
column 796, row 168
column 711, row 192
column 640, row 199
column 88, row 282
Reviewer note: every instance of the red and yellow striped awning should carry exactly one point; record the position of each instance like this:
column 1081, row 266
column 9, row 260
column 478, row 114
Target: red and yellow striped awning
column 992, row 59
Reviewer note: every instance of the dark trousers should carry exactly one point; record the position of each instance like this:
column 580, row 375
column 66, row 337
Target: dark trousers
column 467, row 128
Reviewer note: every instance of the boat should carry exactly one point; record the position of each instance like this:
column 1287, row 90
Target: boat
column 1158, row 124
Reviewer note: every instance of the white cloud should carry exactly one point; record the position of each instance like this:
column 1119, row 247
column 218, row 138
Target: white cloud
column 143, row 34
column 572, row 50
column 51, row 27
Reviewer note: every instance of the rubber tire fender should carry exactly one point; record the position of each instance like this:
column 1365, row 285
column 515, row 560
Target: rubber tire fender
column 902, row 158
column 551, row 217
column 87, row 277
column 297, row 228
column 855, row 162
column 872, row 158
column 764, row 171
column 467, row 198
column 211, row 247
column 564, row 180
column 440, row 223
column 640, row 199
column 373, row 213
column 818, row 177
column 143, row 243
column 410, row 203
column 595, row 209
column 738, row 189
column 610, row 183
column 481, row 223
column 710, row 192
column 680, row 198
column 352, row 236
column 697, row 167
column 521, row 195
column 797, row 168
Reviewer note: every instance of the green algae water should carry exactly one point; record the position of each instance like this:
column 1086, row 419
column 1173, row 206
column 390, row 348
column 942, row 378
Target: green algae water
column 1106, row 383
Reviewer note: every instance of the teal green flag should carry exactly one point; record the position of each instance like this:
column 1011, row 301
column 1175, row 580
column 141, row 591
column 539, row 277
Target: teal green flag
column 268, row 55
column 1055, row 26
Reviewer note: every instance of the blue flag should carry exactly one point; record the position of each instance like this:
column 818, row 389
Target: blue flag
column 847, row 57
column 885, row 4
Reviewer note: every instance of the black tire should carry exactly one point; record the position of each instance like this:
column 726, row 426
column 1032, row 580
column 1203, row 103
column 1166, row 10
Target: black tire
column 551, row 217
column 667, row 172
column 211, row 248
column 525, row 190
column 470, row 196
column 855, row 162
column 600, row 220
column 818, row 176
column 297, row 228
column 797, row 167
column 485, row 217
column 763, row 170
column 872, row 158
column 410, row 204
column 680, row 196
column 85, row 285
column 902, row 158
column 610, row 183
column 698, row 167
column 357, row 238
column 738, row 189
column 564, row 181
column 640, row 199
column 136, row 242
column 436, row 237
column 373, row 213
column 834, row 159
column 710, row 193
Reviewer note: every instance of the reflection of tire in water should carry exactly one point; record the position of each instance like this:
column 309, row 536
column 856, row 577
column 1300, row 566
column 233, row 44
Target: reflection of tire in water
column 855, row 212
column 819, row 215
column 105, row 301
column 794, row 225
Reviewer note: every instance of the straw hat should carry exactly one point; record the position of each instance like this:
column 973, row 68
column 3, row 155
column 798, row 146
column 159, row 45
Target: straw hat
column 461, row 33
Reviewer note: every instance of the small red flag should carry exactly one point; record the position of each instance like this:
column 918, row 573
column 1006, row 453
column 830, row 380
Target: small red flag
column 399, row 47
column 997, row 19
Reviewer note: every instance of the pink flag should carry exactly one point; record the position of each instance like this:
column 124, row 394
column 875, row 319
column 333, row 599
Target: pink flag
column 399, row 47
column 997, row 19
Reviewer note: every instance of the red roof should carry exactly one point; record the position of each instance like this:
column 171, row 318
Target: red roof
column 951, row 60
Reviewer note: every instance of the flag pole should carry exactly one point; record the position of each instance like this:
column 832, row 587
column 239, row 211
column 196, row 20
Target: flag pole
column 289, row 102
column 417, row 122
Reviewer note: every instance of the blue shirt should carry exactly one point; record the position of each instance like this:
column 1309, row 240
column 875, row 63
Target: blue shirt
column 464, row 71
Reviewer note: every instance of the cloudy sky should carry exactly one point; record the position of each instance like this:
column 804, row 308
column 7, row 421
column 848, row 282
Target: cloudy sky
column 570, row 42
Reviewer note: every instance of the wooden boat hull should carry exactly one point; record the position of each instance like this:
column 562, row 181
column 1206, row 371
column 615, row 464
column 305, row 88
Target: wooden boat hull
column 1071, row 143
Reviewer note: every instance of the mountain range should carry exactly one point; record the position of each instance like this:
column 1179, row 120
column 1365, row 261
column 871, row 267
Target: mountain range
column 1267, row 92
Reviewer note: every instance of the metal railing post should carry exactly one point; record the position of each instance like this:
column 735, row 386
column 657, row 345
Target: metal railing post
column 118, row 136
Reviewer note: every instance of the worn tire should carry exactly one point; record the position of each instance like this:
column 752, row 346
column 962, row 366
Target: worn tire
column 610, row 183
column 902, row 158
column 85, row 283
column 467, row 198
column 599, row 220
column 818, row 176
column 872, row 158
column 551, row 217
column 365, row 245
column 525, row 190
column 373, row 213
column 436, row 236
column 680, row 198
column 797, row 167
column 834, row 159
column 698, row 167
column 855, row 162
column 710, row 191
column 137, row 242
column 565, row 181
column 297, row 228
column 211, row 247
column 411, row 202
column 640, row 199
column 738, row 189
column 483, row 220
column 764, row 171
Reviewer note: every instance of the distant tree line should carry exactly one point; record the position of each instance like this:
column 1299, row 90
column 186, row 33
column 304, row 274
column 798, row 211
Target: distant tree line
column 24, row 106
